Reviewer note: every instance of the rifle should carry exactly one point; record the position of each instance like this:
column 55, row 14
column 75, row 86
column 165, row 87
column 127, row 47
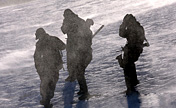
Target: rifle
column 97, row 31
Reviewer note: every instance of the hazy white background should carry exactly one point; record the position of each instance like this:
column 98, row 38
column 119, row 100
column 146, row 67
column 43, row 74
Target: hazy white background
column 19, row 82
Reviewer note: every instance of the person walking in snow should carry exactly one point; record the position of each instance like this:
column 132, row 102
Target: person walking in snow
column 79, row 51
column 48, row 62
column 134, row 33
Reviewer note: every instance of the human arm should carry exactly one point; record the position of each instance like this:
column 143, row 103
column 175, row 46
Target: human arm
column 146, row 44
column 57, row 43
column 37, row 59
column 65, row 26
column 123, row 30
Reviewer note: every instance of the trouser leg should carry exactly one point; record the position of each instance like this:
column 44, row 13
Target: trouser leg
column 81, row 79
column 130, row 76
column 134, row 79
column 43, row 90
column 83, row 85
column 71, row 71
column 47, row 88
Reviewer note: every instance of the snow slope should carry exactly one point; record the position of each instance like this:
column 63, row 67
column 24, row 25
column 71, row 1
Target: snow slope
column 19, row 82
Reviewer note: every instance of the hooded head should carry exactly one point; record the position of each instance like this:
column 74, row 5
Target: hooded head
column 69, row 13
column 129, row 18
column 40, row 32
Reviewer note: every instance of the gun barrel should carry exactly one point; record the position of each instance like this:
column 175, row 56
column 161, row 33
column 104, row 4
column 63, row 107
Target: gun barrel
column 97, row 31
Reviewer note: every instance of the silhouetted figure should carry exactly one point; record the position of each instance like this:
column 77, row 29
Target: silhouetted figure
column 79, row 51
column 48, row 62
column 134, row 33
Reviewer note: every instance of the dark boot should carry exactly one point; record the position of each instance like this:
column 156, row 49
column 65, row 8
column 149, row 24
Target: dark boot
column 130, row 90
column 83, row 88
column 47, row 104
column 80, row 92
column 83, row 85
column 84, row 96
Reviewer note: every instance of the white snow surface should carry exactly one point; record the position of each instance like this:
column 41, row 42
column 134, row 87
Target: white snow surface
column 19, row 82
